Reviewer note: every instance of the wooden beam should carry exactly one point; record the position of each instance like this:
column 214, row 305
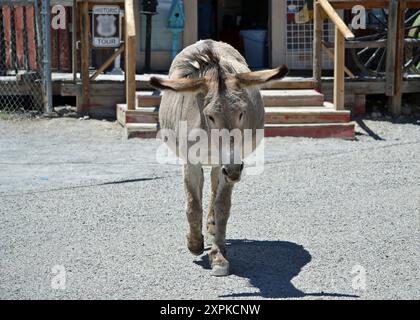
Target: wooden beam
column 190, row 35
column 317, row 52
column 348, row 4
column 278, row 36
column 74, row 17
column 130, row 55
column 354, row 44
column 107, row 63
column 336, row 19
column 396, row 100
column 339, row 59
column 391, row 47
column 85, row 52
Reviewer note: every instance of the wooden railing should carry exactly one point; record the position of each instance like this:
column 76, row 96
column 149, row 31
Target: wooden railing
column 130, row 54
column 394, row 44
column 342, row 33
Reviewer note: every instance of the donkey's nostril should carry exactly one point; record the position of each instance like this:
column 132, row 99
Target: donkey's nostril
column 224, row 171
column 242, row 166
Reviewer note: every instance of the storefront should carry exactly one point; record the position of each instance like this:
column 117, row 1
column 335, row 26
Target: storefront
column 267, row 32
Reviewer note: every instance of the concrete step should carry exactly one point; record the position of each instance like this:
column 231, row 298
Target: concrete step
column 311, row 130
column 272, row 98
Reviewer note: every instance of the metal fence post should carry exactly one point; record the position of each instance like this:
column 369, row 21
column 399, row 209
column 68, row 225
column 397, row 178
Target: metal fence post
column 46, row 13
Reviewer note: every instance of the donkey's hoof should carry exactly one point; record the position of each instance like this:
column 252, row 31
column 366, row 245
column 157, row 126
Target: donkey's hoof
column 220, row 270
column 196, row 247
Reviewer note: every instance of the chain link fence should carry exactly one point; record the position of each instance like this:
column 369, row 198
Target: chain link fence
column 21, row 56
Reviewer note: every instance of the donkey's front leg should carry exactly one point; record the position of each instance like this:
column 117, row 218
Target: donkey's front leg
column 193, row 182
column 211, row 225
column 222, row 204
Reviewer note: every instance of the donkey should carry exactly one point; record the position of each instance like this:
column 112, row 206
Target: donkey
column 210, row 87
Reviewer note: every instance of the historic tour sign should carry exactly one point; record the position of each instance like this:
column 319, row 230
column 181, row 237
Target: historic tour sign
column 106, row 26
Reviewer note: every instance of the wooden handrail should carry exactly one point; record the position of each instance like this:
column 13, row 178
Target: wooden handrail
column 130, row 54
column 336, row 19
column 342, row 33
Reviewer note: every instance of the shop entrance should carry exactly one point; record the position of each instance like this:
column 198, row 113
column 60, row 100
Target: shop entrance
column 244, row 24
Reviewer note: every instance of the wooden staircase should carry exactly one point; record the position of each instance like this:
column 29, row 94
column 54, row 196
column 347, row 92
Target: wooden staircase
column 298, row 112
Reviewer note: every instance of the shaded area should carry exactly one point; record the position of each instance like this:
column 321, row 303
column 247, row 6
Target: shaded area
column 270, row 267
column 82, row 186
column 369, row 131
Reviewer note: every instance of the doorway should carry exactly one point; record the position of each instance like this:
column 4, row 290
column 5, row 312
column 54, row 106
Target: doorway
column 244, row 24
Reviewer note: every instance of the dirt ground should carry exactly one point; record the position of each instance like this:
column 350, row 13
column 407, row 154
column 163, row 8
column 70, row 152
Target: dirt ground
column 328, row 219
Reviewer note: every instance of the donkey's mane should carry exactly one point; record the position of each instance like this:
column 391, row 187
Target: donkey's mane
column 205, row 61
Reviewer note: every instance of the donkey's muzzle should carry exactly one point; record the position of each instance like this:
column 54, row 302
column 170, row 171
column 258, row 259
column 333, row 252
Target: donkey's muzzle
column 232, row 172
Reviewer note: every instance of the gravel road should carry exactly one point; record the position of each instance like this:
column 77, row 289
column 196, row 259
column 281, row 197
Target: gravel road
column 86, row 214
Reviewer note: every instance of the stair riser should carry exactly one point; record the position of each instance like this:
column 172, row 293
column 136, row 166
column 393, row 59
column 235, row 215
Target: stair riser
column 148, row 101
column 141, row 134
column 145, row 101
column 293, row 101
column 325, row 132
column 306, row 118
column 269, row 118
column 142, row 118
column 342, row 132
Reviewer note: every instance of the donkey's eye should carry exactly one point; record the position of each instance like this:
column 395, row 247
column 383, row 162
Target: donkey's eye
column 211, row 119
column 241, row 116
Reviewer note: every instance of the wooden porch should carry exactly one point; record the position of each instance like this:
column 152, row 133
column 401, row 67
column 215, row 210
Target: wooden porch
column 99, row 94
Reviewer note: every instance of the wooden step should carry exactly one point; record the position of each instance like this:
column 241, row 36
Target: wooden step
column 272, row 98
column 140, row 115
column 279, row 115
column 148, row 98
column 292, row 98
column 141, row 130
column 142, row 82
column 273, row 115
column 313, row 130
column 292, row 83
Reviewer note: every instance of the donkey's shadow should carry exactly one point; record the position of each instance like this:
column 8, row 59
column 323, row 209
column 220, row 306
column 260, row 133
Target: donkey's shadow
column 269, row 266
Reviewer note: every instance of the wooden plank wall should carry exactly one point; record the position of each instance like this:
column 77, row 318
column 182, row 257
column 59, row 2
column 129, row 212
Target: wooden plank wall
column 60, row 40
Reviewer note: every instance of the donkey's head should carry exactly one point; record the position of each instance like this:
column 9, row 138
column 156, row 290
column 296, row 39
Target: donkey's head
column 226, row 105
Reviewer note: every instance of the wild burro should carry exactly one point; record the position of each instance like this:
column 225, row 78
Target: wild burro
column 211, row 93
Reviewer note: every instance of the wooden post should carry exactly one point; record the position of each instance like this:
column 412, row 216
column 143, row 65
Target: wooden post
column 278, row 36
column 317, row 46
column 85, row 52
column 339, row 61
column 130, row 55
column 396, row 100
column 74, row 40
column 190, row 35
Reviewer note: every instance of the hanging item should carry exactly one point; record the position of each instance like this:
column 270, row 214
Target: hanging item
column 304, row 16
column 176, row 22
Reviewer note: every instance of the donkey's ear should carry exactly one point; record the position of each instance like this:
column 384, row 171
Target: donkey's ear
column 179, row 85
column 259, row 78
